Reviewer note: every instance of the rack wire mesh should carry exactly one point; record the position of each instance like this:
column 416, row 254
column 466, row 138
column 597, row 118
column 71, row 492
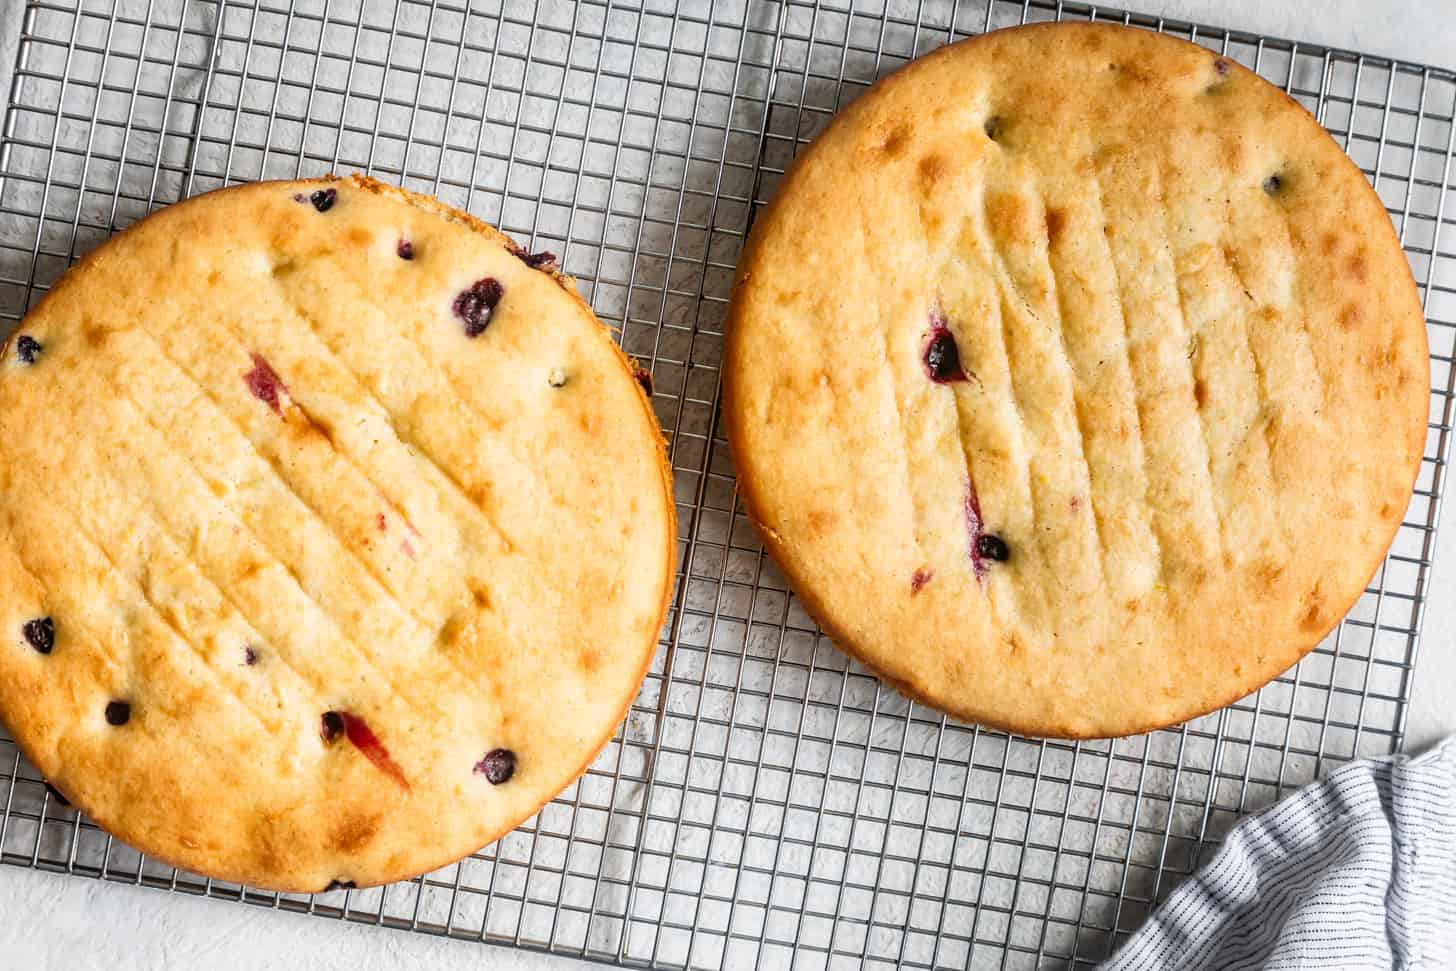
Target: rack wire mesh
column 767, row 801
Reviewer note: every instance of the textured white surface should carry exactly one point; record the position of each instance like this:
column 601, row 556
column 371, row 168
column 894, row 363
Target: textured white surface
column 58, row 922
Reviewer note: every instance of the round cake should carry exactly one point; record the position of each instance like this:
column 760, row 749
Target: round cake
column 1076, row 379
column 337, row 534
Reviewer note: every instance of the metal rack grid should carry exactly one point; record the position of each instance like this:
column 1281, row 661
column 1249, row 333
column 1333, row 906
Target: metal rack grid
column 767, row 801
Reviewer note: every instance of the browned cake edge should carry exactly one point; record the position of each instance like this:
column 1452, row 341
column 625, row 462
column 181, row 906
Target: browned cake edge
column 118, row 827
column 1281, row 655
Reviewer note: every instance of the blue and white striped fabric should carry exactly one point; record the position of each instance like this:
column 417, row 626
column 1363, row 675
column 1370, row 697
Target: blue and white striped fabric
column 1355, row 873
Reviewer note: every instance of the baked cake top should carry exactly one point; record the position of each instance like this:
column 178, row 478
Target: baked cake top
column 336, row 538
column 1076, row 379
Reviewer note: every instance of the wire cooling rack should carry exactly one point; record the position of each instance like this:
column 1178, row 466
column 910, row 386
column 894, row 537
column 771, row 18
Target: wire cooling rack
column 767, row 802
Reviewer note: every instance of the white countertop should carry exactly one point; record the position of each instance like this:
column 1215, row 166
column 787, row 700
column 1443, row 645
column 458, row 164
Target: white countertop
column 62, row 922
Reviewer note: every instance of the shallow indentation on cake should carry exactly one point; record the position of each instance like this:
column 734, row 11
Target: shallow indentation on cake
column 556, row 377
column 1274, row 184
column 476, row 304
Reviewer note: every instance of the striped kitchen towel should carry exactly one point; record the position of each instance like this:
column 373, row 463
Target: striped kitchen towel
column 1355, row 873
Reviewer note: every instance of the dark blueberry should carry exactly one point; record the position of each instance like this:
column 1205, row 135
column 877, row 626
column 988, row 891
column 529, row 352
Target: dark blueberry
column 250, row 656
column 544, row 260
column 1273, row 184
column 332, row 725
column 27, row 348
column 323, row 199
column 992, row 548
column 643, row 376
column 340, row 885
column 498, row 766
column 118, row 713
column 1221, row 66
column 405, row 249
column 942, row 357
column 40, row 634
column 56, row 794
column 476, row 303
